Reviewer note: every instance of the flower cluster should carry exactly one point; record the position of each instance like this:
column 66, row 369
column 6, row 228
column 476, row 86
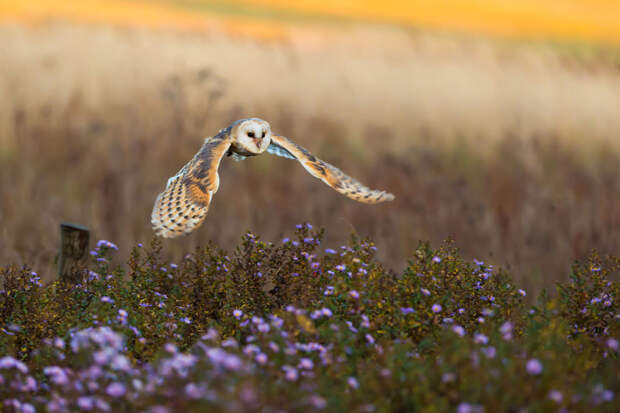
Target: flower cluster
column 290, row 327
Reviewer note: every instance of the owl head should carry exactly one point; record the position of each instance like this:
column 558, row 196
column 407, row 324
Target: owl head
column 251, row 136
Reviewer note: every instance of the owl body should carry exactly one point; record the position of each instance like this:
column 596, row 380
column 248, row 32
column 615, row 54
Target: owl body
column 184, row 203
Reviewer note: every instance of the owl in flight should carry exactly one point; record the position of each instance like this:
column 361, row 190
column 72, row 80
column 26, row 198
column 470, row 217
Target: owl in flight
column 183, row 205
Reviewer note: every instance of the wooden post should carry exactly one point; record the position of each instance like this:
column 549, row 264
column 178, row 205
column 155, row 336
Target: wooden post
column 73, row 246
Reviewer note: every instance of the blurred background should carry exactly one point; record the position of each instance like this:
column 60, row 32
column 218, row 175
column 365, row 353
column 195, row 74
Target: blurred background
column 495, row 122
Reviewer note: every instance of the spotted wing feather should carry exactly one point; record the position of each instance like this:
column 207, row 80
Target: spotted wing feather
column 327, row 173
column 183, row 205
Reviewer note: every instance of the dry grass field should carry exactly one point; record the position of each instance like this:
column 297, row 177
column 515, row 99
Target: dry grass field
column 511, row 148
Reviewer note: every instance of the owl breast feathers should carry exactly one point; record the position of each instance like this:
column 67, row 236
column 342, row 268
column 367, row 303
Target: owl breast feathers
column 183, row 205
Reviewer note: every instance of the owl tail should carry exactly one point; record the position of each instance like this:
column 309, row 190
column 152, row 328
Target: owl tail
column 178, row 210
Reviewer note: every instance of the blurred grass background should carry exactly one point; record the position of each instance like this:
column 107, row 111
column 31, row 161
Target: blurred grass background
column 495, row 123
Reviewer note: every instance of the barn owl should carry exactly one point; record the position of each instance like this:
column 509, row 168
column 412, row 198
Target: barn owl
column 183, row 205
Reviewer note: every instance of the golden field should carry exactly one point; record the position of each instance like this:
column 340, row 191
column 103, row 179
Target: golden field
column 510, row 147
column 581, row 20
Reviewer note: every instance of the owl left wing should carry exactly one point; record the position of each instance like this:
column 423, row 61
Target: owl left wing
column 183, row 205
column 327, row 173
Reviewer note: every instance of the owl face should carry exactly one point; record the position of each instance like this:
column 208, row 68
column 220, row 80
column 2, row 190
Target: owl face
column 251, row 136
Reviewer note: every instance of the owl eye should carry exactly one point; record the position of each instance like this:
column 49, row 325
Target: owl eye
column 263, row 134
column 251, row 134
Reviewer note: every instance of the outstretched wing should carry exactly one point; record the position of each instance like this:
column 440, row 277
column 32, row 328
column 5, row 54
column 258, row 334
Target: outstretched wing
column 327, row 173
column 183, row 205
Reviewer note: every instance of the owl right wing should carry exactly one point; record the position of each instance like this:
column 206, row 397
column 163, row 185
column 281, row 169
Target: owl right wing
column 183, row 205
column 326, row 172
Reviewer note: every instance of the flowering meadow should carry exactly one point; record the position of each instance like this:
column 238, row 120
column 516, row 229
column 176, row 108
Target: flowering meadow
column 295, row 326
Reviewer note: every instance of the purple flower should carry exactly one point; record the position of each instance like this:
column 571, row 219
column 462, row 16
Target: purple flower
column 27, row 408
column 522, row 292
column 469, row 408
column 85, row 403
column 9, row 362
column 194, row 391
column 210, row 335
column 291, row 373
column 30, row 384
column 480, row 339
column 489, row 352
column 237, row 314
column 115, row 389
column 534, row 367
column 354, row 294
column 506, row 327
column 330, row 251
column 220, row 357
column 251, row 349
column 106, row 299
column 556, row 396
column 277, row 322
column 458, row 330
column 436, row 259
column 170, row 348
column 407, row 310
column 57, row 404
column 487, row 312
column 370, row 338
column 102, row 405
column 436, row 308
column 120, row 362
column 106, row 244
column 57, row 375
column 285, row 240
column 317, row 402
column 230, row 342
column 340, row 267
column 261, row 358
column 448, row 377
column 425, row 291
column 306, row 363
column 612, row 343
column 353, row 383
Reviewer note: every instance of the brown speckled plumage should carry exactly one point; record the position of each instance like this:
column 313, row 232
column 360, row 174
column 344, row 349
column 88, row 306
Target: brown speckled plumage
column 184, row 204
column 331, row 175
